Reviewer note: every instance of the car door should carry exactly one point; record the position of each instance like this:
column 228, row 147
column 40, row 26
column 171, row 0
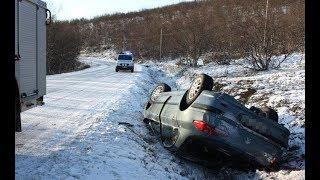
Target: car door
column 169, row 123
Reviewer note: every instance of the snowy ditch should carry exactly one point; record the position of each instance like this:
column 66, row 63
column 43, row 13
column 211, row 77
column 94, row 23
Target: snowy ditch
column 282, row 89
column 76, row 134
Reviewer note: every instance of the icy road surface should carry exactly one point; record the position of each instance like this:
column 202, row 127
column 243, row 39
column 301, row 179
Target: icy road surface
column 76, row 135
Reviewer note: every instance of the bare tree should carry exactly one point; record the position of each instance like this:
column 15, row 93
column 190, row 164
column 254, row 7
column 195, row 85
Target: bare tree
column 64, row 45
column 266, row 37
column 194, row 36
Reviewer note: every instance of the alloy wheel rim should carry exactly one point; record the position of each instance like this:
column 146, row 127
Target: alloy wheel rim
column 156, row 92
column 195, row 88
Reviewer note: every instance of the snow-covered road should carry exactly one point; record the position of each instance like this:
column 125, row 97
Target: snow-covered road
column 54, row 137
column 76, row 133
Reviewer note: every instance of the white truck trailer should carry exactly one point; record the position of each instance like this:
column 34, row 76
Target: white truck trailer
column 31, row 17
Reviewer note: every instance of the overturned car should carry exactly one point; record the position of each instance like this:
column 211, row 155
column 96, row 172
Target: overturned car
column 212, row 127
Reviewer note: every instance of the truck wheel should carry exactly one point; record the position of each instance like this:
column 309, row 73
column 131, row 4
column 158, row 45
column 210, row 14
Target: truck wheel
column 270, row 113
column 17, row 114
column 163, row 87
column 200, row 83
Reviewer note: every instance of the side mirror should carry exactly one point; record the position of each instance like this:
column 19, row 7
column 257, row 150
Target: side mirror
column 48, row 17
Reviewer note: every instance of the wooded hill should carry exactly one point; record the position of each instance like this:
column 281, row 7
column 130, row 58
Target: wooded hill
column 222, row 29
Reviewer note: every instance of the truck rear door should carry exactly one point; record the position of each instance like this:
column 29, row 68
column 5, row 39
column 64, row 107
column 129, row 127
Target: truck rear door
column 28, row 47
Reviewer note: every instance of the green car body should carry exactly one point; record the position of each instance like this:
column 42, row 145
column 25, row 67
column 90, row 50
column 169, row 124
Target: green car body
column 230, row 129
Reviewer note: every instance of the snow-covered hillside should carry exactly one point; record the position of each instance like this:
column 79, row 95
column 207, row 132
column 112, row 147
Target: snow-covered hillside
column 76, row 134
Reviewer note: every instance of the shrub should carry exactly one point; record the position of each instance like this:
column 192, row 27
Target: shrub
column 222, row 58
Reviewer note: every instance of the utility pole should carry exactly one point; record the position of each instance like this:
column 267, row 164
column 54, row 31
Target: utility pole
column 123, row 37
column 123, row 42
column 160, row 49
column 265, row 25
column 105, row 40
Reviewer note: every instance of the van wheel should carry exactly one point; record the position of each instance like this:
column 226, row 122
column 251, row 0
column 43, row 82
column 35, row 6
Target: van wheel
column 17, row 114
column 163, row 87
column 200, row 83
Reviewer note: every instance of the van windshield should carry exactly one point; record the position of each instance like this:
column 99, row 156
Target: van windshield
column 125, row 57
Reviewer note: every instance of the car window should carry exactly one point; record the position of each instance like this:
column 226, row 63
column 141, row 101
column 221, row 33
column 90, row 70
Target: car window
column 125, row 57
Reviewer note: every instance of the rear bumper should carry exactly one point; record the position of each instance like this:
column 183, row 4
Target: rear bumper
column 125, row 67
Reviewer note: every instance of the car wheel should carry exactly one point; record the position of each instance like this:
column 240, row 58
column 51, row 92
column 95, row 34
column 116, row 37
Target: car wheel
column 169, row 136
column 266, row 112
column 270, row 113
column 132, row 70
column 200, row 83
column 257, row 111
column 146, row 121
column 117, row 70
column 159, row 89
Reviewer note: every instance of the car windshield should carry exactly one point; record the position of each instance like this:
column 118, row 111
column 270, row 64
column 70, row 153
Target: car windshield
column 125, row 57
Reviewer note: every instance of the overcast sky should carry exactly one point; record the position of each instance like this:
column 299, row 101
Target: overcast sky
column 72, row 9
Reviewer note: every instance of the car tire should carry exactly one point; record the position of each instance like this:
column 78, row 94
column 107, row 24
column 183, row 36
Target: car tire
column 270, row 113
column 266, row 112
column 257, row 111
column 132, row 70
column 117, row 70
column 200, row 83
column 162, row 87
